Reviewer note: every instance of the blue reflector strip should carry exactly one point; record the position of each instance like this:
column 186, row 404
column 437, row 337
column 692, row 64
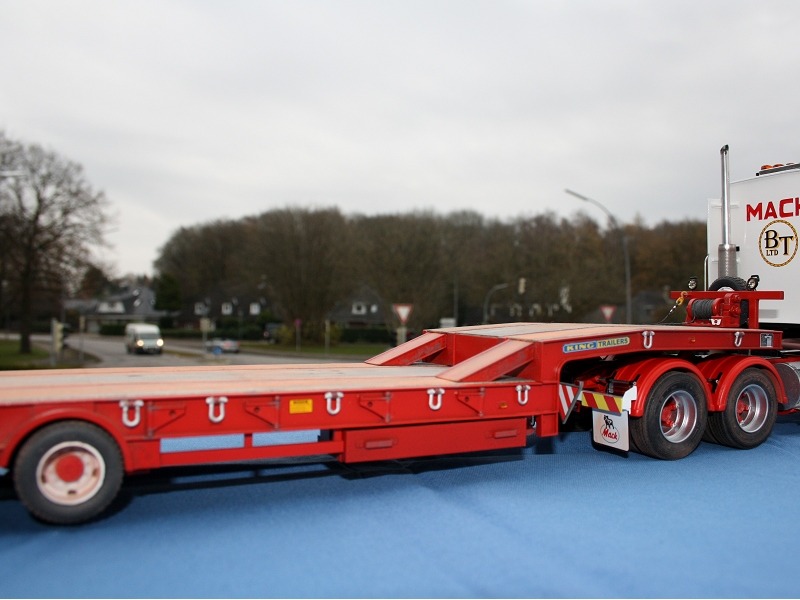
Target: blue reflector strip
column 236, row 440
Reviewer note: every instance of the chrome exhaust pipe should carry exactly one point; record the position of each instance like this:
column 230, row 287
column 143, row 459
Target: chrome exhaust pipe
column 726, row 251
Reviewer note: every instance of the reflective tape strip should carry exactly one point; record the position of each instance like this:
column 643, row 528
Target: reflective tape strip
column 600, row 401
column 567, row 398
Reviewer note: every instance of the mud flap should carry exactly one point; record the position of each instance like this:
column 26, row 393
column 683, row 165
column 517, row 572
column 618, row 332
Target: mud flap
column 611, row 429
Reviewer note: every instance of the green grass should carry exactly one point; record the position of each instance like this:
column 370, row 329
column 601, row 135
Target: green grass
column 10, row 358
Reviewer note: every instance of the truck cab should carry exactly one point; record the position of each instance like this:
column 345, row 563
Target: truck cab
column 762, row 220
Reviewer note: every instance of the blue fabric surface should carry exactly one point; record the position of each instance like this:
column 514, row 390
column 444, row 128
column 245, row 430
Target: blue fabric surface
column 557, row 519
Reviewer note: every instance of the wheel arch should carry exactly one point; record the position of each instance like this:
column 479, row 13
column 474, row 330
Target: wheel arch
column 648, row 371
column 726, row 369
column 52, row 417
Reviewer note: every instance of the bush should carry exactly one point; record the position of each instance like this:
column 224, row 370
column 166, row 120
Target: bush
column 112, row 329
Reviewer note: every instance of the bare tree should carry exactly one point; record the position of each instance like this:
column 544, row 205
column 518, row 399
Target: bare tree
column 668, row 254
column 54, row 217
column 303, row 256
column 207, row 261
column 402, row 258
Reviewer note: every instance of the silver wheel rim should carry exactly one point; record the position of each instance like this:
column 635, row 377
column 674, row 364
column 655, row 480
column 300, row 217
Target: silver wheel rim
column 678, row 416
column 752, row 408
column 70, row 473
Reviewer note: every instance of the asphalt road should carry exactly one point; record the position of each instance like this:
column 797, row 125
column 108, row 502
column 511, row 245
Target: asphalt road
column 111, row 352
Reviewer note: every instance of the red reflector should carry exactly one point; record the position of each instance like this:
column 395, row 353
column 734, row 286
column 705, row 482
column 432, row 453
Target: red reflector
column 376, row 444
column 506, row 433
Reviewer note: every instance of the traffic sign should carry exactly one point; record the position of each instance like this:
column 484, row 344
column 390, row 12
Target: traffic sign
column 608, row 311
column 403, row 311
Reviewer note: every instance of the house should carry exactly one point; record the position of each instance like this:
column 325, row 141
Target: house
column 364, row 309
column 134, row 304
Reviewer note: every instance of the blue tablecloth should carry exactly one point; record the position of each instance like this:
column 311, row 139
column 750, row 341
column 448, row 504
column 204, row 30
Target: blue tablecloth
column 556, row 519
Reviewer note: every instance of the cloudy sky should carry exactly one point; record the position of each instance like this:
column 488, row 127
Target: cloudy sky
column 188, row 111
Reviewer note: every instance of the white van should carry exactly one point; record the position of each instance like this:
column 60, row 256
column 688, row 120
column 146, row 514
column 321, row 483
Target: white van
column 143, row 337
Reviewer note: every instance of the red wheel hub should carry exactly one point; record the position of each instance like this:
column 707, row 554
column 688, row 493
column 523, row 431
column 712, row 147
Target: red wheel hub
column 69, row 468
column 668, row 414
column 742, row 410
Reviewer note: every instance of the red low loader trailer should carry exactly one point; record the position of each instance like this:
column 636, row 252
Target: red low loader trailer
column 69, row 436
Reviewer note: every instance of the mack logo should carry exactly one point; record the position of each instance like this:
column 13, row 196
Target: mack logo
column 778, row 243
column 786, row 208
column 609, row 432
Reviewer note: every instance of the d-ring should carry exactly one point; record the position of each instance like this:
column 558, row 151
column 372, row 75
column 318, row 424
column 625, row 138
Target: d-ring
column 438, row 393
column 126, row 406
column 522, row 394
column 333, row 401
column 648, row 339
column 220, row 402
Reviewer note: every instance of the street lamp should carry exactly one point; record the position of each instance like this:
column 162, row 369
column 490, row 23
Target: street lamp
column 499, row 286
column 615, row 224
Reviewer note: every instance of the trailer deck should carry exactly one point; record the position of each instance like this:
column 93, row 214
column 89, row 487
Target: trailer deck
column 439, row 357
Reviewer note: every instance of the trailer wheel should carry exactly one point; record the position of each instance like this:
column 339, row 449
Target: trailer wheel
column 68, row 472
column 674, row 418
column 733, row 284
column 749, row 414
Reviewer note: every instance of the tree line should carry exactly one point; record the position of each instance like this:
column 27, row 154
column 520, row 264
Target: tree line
column 301, row 262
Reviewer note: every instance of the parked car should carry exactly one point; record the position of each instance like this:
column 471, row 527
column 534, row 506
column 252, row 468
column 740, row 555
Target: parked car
column 219, row 345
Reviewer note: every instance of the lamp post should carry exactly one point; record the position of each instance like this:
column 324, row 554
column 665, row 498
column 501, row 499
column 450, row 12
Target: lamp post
column 499, row 286
column 615, row 224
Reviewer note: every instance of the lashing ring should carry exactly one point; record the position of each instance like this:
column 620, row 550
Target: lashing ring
column 127, row 406
column 219, row 415
column 435, row 398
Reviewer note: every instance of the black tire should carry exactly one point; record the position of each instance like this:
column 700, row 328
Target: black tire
column 750, row 411
column 708, row 435
column 68, row 472
column 674, row 418
column 734, row 284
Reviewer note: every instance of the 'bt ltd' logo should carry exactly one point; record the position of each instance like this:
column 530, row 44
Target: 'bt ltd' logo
column 778, row 243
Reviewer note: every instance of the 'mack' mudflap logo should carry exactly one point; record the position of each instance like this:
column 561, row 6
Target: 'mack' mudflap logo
column 609, row 432
column 778, row 243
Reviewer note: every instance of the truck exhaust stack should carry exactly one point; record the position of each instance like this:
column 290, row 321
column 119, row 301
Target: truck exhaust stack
column 726, row 250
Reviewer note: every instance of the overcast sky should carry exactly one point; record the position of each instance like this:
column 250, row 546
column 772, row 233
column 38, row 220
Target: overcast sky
column 185, row 112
